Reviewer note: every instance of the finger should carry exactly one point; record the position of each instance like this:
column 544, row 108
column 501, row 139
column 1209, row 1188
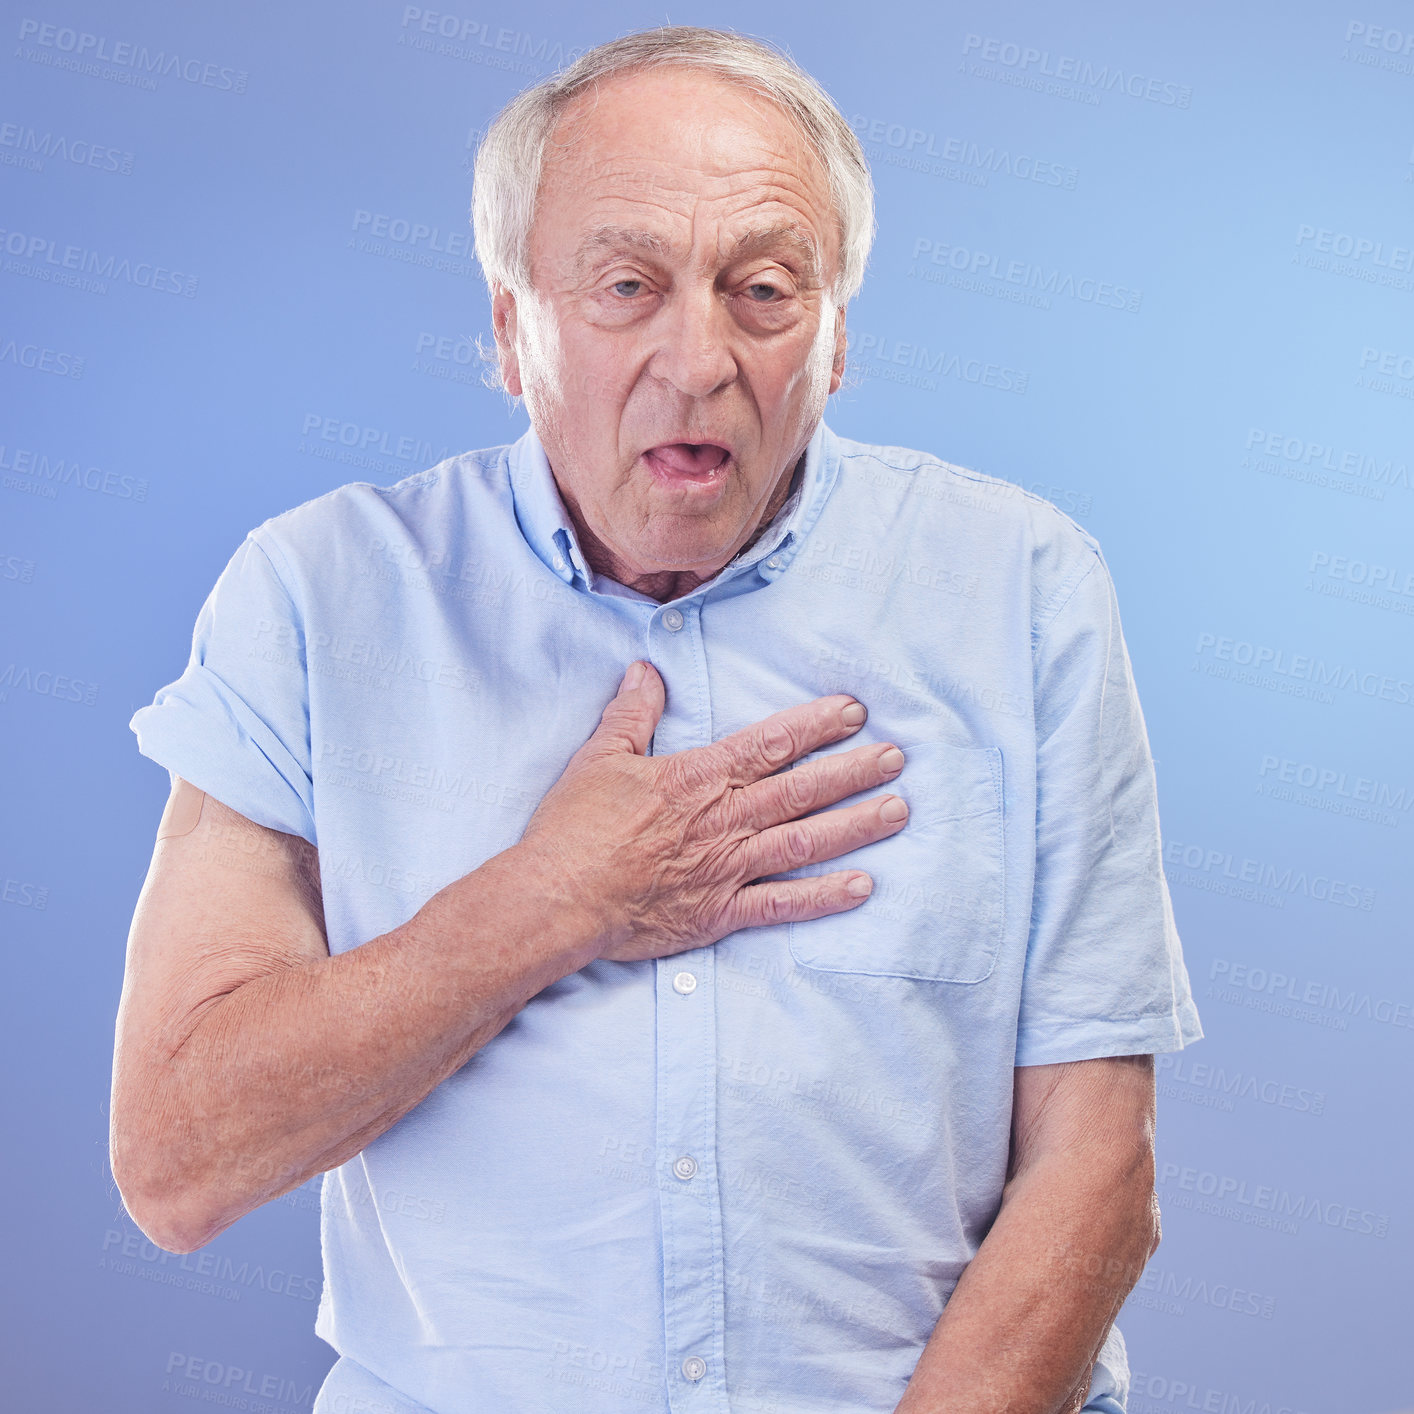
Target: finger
column 821, row 837
column 791, row 794
column 631, row 716
column 794, row 900
column 775, row 741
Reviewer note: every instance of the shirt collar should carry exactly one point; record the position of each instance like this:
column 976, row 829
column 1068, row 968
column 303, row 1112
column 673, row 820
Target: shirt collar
column 547, row 528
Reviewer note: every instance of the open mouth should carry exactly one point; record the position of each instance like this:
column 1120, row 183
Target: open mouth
column 680, row 462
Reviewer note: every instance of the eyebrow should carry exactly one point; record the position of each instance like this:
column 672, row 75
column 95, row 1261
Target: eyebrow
column 764, row 239
column 759, row 241
column 617, row 238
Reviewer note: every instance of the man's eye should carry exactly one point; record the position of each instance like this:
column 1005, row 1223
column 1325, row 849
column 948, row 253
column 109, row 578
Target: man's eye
column 761, row 293
column 627, row 288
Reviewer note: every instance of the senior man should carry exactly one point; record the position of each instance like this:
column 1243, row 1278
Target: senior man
column 627, row 1091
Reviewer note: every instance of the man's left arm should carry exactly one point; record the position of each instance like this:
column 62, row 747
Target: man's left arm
column 1078, row 1221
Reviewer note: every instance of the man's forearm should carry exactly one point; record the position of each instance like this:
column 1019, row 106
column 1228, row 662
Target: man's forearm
column 1022, row 1329
column 295, row 1072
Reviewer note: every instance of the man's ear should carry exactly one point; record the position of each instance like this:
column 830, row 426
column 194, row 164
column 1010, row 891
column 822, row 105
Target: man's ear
column 841, row 349
column 504, row 327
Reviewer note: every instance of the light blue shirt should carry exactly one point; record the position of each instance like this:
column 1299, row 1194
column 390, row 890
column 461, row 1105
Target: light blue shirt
column 746, row 1177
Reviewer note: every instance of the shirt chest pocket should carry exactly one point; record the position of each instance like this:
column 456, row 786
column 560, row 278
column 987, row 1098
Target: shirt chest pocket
column 936, row 911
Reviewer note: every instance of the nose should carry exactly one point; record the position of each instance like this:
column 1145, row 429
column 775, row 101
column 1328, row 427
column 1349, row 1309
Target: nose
column 694, row 350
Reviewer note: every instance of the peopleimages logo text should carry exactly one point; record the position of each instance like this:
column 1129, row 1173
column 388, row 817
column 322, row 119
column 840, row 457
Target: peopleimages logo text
column 1263, row 874
column 1105, row 78
column 44, row 256
column 1302, row 667
column 81, row 47
column 910, row 142
column 1026, row 274
column 1305, row 452
column 1353, row 247
column 1344, row 783
column 1272, row 1198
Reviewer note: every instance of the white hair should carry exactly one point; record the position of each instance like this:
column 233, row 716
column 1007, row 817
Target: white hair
column 510, row 157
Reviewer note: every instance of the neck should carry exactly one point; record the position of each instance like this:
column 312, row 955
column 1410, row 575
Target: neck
column 664, row 585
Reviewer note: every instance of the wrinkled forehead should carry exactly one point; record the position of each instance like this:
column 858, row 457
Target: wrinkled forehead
column 657, row 146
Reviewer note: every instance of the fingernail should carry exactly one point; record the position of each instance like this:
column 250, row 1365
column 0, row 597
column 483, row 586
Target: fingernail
column 853, row 715
column 861, row 886
column 893, row 809
column 634, row 677
column 891, row 760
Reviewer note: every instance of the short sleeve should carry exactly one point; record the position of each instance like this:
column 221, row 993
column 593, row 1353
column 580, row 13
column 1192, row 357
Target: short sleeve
column 236, row 723
column 1104, row 967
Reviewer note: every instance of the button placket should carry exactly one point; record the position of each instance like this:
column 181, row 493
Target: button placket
column 689, row 1203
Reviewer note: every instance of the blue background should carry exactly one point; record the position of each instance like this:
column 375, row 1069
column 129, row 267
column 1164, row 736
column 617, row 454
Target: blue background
column 1181, row 237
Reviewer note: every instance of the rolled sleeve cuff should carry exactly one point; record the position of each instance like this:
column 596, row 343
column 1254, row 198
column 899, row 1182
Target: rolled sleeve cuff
column 1109, row 1383
column 1050, row 1043
column 200, row 730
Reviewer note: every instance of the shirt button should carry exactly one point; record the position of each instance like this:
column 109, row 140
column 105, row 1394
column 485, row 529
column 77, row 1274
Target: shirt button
column 685, row 1167
column 684, row 982
column 694, row 1367
column 774, row 563
column 672, row 620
